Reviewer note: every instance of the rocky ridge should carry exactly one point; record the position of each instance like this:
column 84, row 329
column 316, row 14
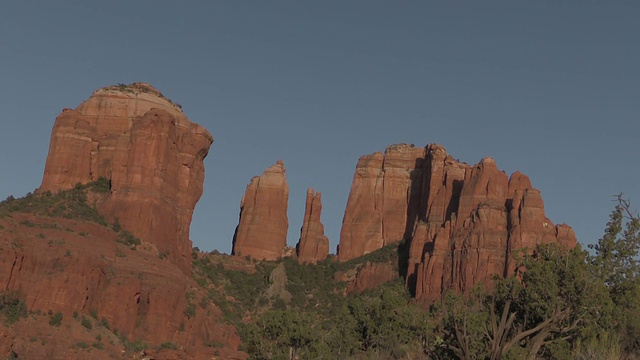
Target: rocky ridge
column 464, row 222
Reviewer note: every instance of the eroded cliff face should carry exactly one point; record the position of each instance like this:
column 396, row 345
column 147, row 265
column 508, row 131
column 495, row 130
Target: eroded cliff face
column 313, row 245
column 381, row 203
column 464, row 222
column 262, row 231
column 74, row 266
column 148, row 149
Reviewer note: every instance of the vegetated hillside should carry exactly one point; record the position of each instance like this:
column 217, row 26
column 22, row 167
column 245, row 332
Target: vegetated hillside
column 284, row 308
column 76, row 286
column 568, row 304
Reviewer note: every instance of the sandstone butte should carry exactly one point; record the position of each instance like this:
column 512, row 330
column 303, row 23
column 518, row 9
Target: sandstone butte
column 463, row 223
column 262, row 230
column 151, row 153
column 153, row 157
column 313, row 245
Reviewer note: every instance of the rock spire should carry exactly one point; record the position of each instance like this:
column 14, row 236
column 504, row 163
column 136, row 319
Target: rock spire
column 262, row 231
column 313, row 245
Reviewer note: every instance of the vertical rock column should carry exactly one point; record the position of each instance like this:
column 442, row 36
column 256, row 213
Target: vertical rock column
column 262, row 231
column 313, row 245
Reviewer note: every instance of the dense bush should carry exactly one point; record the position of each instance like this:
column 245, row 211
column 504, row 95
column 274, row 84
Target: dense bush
column 381, row 322
column 11, row 307
column 134, row 346
column 56, row 319
column 168, row 345
column 86, row 323
column 127, row 238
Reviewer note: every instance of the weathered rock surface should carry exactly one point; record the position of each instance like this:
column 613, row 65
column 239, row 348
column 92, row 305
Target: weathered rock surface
column 381, row 200
column 372, row 275
column 148, row 149
column 464, row 222
column 278, row 284
column 313, row 245
column 262, row 231
column 67, row 266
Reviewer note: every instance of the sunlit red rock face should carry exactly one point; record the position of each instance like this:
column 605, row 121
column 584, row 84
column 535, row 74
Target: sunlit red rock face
column 262, row 231
column 152, row 154
column 463, row 222
column 73, row 266
column 381, row 204
column 313, row 245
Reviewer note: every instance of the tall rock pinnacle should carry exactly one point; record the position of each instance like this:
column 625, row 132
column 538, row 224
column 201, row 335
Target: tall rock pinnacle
column 313, row 245
column 262, row 231
column 149, row 150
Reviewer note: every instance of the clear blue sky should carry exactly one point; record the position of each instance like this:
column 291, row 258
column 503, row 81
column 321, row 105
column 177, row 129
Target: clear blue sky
column 550, row 88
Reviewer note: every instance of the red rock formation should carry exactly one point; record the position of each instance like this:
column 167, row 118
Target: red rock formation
column 371, row 276
column 262, row 231
column 366, row 276
column 377, row 211
column 148, row 149
column 464, row 222
column 313, row 245
column 66, row 265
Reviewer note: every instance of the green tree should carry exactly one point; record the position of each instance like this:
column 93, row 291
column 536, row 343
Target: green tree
column 460, row 327
column 556, row 301
column 11, row 307
column 386, row 323
column 540, row 312
column 282, row 334
column 340, row 335
column 56, row 319
column 616, row 264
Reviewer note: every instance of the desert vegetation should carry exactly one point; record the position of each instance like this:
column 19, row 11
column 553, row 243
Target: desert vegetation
column 68, row 204
column 558, row 304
